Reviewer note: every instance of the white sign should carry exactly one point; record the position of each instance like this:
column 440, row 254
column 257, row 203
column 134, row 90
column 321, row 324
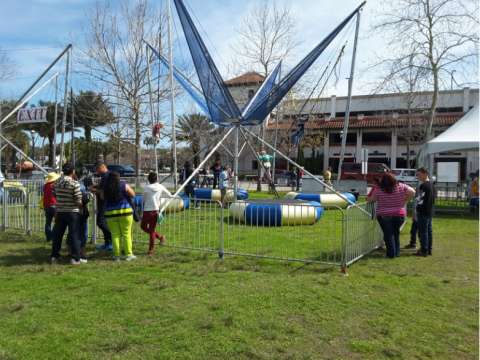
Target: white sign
column 32, row 115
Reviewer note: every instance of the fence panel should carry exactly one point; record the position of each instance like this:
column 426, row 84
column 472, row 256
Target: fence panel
column 361, row 233
column 284, row 230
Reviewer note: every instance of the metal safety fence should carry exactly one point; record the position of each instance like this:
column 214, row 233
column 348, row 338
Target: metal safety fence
column 289, row 231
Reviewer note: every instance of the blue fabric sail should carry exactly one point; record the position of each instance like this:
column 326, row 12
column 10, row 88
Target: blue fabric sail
column 264, row 106
column 222, row 108
column 196, row 94
column 267, row 86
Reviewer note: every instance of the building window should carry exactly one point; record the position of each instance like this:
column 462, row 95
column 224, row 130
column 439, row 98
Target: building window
column 251, row 93
column 254, row 165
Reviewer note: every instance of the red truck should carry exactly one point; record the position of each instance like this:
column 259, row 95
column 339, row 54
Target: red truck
column 353, row 171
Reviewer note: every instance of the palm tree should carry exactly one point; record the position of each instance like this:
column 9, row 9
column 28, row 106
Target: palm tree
column 193, row 128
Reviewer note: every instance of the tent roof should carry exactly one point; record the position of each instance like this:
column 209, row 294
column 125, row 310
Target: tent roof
column 464, row 134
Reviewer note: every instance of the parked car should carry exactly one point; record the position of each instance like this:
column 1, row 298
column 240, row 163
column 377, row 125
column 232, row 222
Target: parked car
column 405, row 175
column 353, row 171
column 123, row 170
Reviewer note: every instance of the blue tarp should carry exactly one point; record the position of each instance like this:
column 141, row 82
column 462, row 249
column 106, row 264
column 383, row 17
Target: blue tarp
column 264, row 90
column 223, row 109
column 196, row 95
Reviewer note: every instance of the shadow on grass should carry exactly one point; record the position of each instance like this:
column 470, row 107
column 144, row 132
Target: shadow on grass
column 31, row 256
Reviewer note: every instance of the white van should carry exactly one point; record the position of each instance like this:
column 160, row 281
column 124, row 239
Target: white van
column 405, row 175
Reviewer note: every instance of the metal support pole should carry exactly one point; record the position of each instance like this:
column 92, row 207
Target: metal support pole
column 1, row 145
column 349, row 99
column 221, row 245
column 23, row 153
column 331, row 188
column 28, row 228
column 172, row 96
column 65, row 106
column 5, row 208
column 55, row 118
column 72, row 140
column 235, row 162
column 255, row 154
column 152, row 114
column 195, row 172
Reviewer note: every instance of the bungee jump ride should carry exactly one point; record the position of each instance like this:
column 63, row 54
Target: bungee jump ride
column 326, row 200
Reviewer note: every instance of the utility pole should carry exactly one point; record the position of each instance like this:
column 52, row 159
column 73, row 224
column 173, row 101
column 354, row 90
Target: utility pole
column 53, row 161
column 349, row 100
column 65, row 106
column 172, row 96
column 72, row 140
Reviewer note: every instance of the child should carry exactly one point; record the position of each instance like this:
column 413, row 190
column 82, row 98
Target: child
column 223, row 184
column 49, row 203
column 152, row 196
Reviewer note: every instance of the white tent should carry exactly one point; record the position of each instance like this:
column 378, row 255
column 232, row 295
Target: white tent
column 462, row 135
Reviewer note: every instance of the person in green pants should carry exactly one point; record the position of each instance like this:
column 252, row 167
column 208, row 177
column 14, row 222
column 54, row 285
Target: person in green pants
column 119, row 215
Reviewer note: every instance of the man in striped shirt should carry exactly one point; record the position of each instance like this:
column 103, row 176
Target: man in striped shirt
column 69, row 202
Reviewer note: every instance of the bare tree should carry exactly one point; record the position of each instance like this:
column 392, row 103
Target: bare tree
column 436, row 36
column 266, row 36
column 116, row 57
column 7, row 66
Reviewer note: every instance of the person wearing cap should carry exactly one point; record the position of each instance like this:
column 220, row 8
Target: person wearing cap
column 69, row 203
column 102, row 172
column 49, row 203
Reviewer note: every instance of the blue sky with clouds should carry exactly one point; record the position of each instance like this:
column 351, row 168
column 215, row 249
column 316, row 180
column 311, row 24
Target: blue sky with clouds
column 34, row 31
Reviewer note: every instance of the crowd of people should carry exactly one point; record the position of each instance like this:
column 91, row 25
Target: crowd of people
column 65, row 199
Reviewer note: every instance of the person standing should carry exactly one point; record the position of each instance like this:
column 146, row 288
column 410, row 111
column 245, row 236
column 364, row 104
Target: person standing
column 216, row 169
column 119, row 214
column 327, row 176
column 69, row 202
column 391, row 198
column 153, row 193
column 425, row 200
column 102, row 172
column 190, row 187
column 49, row 203
column 223, row 185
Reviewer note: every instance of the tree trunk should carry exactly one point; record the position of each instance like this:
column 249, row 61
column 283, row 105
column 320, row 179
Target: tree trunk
column 138, row 137
column 433, row 107
column 196, row 158
column 88, row 140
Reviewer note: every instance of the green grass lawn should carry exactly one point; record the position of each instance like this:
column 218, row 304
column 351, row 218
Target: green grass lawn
column 190, row 305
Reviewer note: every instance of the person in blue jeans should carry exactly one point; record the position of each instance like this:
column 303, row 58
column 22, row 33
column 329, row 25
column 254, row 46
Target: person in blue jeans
column 425, row 200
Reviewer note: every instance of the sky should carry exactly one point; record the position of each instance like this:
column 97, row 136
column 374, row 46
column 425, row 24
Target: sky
column 33, row 33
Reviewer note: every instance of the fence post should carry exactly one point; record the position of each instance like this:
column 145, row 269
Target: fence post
column 94, row 220
column 28, row 229
column 343, row 266
column 221, row 239
column 5, row 209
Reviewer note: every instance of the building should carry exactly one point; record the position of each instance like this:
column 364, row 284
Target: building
column 385, row 124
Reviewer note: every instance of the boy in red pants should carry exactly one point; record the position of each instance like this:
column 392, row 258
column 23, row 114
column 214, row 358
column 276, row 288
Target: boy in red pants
column 152, row 197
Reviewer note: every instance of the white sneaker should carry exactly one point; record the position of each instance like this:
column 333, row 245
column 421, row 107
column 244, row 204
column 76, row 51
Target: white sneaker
column 130, row 257
column 116, row 258
column 75, row 262
column 53, row 260
column 83, row 260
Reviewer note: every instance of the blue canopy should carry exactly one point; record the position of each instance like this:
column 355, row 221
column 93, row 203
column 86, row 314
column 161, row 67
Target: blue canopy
column 195, row 93
column 222, row 108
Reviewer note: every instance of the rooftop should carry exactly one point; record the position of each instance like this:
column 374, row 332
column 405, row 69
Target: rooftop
column 249, row 78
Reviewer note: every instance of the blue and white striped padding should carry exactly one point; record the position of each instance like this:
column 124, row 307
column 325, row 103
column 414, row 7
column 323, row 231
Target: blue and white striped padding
column 215, row 195
column 276, row 214
column 326, row 200
column 177, row 204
